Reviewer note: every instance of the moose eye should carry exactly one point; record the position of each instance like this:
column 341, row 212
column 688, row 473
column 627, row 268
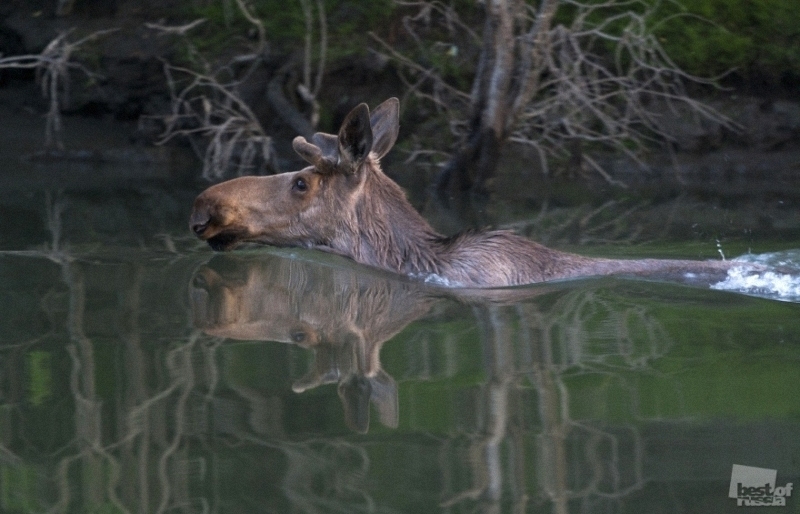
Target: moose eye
column 300, row 185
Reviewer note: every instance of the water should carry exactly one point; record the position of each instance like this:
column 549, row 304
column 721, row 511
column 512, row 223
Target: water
column 141, row 373
column 781, row 280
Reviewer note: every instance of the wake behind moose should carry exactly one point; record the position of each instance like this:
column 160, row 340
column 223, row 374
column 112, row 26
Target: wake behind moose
column 344, row 203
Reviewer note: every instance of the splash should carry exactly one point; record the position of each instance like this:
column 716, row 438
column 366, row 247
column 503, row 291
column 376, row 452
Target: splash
column 434, row 279
column 779, row 279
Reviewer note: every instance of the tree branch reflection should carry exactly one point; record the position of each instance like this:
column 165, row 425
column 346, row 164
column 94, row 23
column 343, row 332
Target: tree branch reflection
column 153, row 415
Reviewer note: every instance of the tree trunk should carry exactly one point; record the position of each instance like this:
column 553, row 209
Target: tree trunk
column 475, row 159
column 506, row 80
column 472, row 163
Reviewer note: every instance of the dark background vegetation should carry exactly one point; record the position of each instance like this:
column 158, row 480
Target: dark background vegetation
column 752, row 47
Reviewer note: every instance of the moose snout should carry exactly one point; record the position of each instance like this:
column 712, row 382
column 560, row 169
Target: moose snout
column 213, row 222
column 226, row 214
column 199, row 220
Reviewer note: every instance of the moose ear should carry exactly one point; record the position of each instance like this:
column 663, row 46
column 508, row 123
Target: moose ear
column 385, row 123
column 355, row 138
column 310, row 153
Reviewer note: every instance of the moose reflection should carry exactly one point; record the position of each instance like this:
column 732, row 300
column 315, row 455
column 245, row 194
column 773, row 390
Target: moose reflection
column 343, row 316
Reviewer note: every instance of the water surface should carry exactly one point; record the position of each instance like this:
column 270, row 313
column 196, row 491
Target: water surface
column 141, row 373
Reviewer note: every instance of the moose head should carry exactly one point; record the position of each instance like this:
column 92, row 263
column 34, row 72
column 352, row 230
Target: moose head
column 314, row 207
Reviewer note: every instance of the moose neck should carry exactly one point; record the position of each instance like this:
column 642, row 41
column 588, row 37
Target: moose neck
column 387, row 231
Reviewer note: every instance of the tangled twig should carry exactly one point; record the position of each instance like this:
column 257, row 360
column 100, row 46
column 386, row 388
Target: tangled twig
column 52, row 68
column 212, row 112
column 601, row 81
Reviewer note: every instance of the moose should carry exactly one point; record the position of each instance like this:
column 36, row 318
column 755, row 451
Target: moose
column 344, row 203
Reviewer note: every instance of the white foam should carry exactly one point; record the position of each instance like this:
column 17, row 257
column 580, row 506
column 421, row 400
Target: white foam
column 768, row 284
column 434, row 279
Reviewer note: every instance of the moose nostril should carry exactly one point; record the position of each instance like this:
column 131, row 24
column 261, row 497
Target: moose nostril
column 199, row 228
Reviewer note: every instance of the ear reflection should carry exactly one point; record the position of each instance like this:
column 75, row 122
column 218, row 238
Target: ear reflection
column 342, row 315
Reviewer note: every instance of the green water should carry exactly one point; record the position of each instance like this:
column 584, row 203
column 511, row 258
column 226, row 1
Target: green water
column 140, row 373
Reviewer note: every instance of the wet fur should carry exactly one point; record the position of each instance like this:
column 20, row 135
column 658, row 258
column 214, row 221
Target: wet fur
column 353, row 209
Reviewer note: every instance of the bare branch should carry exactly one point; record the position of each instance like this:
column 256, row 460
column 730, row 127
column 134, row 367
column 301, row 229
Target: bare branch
column 427, row 73
column 309, row 89
column 179, row 30
column 52, row 68
column 224, row 131
column 601, row 80
column 262, row 32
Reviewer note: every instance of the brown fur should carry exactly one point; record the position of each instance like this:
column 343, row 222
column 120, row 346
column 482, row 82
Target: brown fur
column 344, row 203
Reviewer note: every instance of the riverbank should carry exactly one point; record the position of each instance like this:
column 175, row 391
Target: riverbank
column 121, row 106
